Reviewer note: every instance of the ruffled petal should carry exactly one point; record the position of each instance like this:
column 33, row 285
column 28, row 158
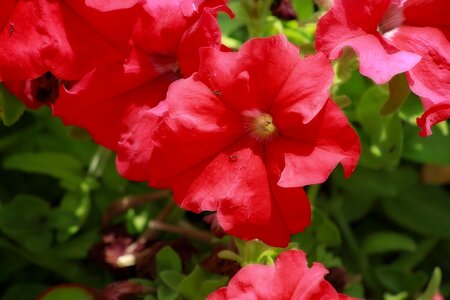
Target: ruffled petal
column 67, row 38
column 248, row 74
column 261, row 59
column 6, row 9
column 432, row 116
column 377, row 59
column 425, row 13
column 162, row 21
column 430, row 78
column 306, row 154
column 354, row 23
column 83, row 38
column 136, row 145
column 103, row 99
column 306, row 89
column 205, row 32
column 235, row 183
column 348, row 19
column 107, row 5
column 289, row 278
column 21, row 40
column 194, row 7
column 199, row 125
column 293, row 206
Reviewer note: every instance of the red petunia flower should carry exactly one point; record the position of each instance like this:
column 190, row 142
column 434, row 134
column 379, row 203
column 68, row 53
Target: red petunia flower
column 167, row 37
column 242, row 136
column 67, row 37
column 289, row 278
column 394, row 36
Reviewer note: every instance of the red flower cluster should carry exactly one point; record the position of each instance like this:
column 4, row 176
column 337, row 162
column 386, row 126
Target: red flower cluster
column 239, row 133
column 234, row 139
column 289, row 278
column 392, row 37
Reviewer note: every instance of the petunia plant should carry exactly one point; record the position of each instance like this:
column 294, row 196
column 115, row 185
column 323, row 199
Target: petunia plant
column 214, row 149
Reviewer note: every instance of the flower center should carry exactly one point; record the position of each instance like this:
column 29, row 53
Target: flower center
column 393, row 18
column 260, row 125
column 166, row 63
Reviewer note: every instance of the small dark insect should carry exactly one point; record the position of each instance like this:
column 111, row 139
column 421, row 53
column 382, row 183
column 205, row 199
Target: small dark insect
column 217, row 93
column 11, row 28
column 233, row 157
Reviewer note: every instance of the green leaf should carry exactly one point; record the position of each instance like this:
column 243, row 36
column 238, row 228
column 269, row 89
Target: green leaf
column 397, row 280
column 327, row 232
column 321, row 231
column 429, row 150
column 38, row 243
column 11, row 108
column 58, row 165
column 165, row 293
column 171, row 278
column 423, row 209
column 191, row 284
column 68, row 292
column 60, row 219
column 24, row 216
column 382, row 139
column 387, row 241
column 167, row 260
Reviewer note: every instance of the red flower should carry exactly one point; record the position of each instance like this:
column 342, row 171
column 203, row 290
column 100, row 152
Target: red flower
column 68, row 38
column 289, row 278
column 243, row 134
column 391, row 37
column 167, row 37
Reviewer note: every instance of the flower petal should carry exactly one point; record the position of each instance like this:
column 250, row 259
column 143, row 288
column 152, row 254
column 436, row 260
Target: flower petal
column 20, row 41
column 430, row 78
column 353, row 23
column 135, row 146
column 107, row 5
column 425, row 13
column 162, row 21
column 377, row 59
column 348, row 19
column 306, row 89
column 235, row 183
column 205, row 32
column 199, row 126
column 308, row 153
column 289, row 278
column 248, row 74
column 261, row 59
column 432, row 116
column 101, row 101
